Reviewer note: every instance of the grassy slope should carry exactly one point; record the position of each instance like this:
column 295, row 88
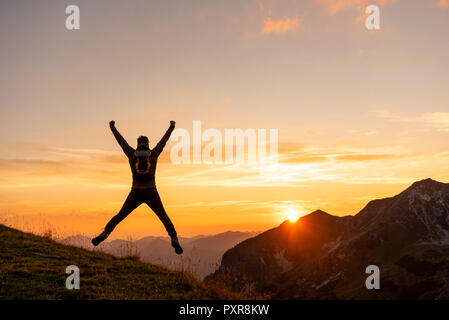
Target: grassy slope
column 33, row 267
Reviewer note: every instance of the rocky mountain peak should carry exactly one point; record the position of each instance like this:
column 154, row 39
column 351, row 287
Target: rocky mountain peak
column 325, row 255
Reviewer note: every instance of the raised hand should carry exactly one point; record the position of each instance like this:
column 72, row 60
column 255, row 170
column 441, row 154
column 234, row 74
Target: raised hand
column 172, row 123
column 112, row 123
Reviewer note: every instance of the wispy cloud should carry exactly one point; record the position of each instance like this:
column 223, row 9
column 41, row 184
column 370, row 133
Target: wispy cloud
column 437, row 120
column 298, row 164
column 280, row 26
column 302, row 154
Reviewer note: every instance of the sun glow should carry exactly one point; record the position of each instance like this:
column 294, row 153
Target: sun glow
column 292, row 214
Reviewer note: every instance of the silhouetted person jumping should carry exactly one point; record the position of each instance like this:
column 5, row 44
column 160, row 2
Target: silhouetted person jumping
column 143, row 162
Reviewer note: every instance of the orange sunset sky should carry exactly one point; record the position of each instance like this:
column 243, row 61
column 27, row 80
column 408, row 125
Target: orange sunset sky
column 360, row 114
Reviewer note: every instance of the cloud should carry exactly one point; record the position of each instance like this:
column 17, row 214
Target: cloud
column 280, row 26
column 299, row 154
column 313, row 155
column 6, row 163
column 443, row 3
column 298, row 164
column 437, row 120
column 368, row 157
column 32, row 164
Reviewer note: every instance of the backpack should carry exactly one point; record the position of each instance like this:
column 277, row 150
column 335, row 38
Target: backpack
column 143, row 164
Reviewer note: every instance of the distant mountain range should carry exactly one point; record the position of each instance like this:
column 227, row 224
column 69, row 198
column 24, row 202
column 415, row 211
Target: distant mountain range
column 202, row 254
column 325, row 257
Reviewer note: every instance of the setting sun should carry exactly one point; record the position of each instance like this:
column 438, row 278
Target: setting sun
column 292, row 214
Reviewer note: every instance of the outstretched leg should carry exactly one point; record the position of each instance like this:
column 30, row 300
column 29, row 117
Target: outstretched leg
column 131, row 203
column 154, row 202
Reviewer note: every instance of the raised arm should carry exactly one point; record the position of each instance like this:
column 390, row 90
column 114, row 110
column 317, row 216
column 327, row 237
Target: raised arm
column 161, row 144
column 127, row 149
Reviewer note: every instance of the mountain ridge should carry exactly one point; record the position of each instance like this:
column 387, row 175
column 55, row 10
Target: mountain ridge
column 322, row 256
column 202, row 254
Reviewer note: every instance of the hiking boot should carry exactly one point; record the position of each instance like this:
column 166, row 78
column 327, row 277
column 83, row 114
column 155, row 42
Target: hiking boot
column 175, row 244
column 97, row 240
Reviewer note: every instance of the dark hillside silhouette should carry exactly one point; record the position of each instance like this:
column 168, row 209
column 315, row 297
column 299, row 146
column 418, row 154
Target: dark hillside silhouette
column 324, row 257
